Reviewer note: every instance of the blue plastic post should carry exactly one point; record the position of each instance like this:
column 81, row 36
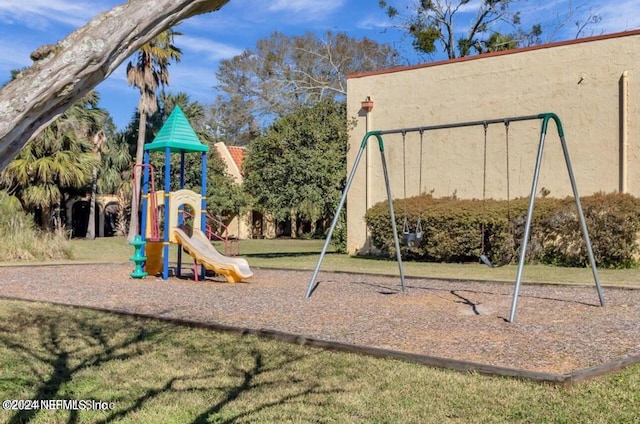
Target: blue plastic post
column 167, row 190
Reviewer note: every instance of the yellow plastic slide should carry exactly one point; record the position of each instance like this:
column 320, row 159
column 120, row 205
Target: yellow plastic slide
column 200, row 248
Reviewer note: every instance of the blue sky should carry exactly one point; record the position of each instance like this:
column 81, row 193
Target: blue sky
column 27, row 24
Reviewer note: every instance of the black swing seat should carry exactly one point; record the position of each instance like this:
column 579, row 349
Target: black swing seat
column 409, row 239
column 485, row 260
column 412, row 239
column 506, row 260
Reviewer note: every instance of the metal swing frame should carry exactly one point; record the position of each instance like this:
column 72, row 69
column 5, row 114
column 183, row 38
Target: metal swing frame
column 545, row 118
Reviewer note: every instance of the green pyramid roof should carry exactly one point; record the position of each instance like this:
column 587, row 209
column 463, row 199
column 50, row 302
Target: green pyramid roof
column 177, row 134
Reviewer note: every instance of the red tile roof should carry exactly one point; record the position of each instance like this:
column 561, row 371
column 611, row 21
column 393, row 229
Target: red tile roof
column 237, row 154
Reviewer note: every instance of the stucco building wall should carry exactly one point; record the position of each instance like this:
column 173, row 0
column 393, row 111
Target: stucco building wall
column 593, row 85
column 247, row 224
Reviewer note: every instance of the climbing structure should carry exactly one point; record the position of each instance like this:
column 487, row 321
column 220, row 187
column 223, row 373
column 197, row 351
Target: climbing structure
column 177, row 136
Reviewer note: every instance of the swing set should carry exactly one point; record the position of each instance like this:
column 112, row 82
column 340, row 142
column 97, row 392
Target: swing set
column 506, row 259
column 413, row 239
column 410, row 238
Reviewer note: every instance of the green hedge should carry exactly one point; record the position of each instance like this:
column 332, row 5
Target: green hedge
column 458, row 230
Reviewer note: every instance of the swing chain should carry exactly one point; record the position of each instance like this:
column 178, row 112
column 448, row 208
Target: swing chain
column 509, row 223
column 405, row 225
column 508, row 256
column 506, row 129
column 483, row 256
column 410, row 239
column 404, row 166
column 485, row 124
column 419, row 223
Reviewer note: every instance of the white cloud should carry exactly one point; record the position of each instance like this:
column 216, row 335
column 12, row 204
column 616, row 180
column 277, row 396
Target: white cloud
column 14, row 55
column 559, row 19
column 234, row 16
column 42, row 14
column 121, row 99
column 307, row 10
column 213, row 50
column 181, row 74
column 376, row 22
column 196, row 81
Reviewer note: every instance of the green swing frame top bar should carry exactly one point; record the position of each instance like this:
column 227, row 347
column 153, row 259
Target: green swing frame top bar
column 545, row 118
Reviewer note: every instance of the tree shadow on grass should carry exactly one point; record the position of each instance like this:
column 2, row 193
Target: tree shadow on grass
column 230, row 393
column 67, row 344
column 248, row 383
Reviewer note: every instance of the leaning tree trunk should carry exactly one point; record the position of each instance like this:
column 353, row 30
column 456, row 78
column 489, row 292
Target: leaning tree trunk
column 137, row 180
column 64, row 72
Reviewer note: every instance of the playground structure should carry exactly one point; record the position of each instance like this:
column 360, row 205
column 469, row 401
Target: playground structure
column 177, row 136
column 544, row 118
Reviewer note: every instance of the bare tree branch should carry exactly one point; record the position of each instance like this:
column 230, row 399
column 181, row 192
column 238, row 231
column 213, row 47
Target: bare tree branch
column 64, row 72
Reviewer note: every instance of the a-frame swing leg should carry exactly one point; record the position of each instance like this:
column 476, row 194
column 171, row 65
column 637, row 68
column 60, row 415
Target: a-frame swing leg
column 363, row 146
column 392, row 215
column 525, row 239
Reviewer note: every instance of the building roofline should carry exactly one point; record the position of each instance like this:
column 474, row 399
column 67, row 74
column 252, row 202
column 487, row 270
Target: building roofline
column 494, row 54
column 237, row 160
column 234, row 168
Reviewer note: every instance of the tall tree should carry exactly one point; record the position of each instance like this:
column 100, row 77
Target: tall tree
column 298, row 167
column 115, row 177
column 285, row 73
column 432, row 23
column 80, row 62
column 148, row 73
column 98, row 144
column 462, row 27
column 58, row 162
column 231, row 121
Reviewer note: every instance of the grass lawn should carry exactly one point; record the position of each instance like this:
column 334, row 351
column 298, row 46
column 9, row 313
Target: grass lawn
column 155, row 372
column 304, row 254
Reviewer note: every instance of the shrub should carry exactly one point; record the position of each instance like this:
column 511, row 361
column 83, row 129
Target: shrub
column 613, row 221
column 22, row 240
column 461, row 230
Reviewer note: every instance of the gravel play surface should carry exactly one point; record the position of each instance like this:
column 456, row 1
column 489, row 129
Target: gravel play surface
column 558, row 329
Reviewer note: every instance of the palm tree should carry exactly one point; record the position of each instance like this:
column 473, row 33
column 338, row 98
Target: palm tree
column 57, row 163
column 150, row 72
column 114, row 176
column 98, row 145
